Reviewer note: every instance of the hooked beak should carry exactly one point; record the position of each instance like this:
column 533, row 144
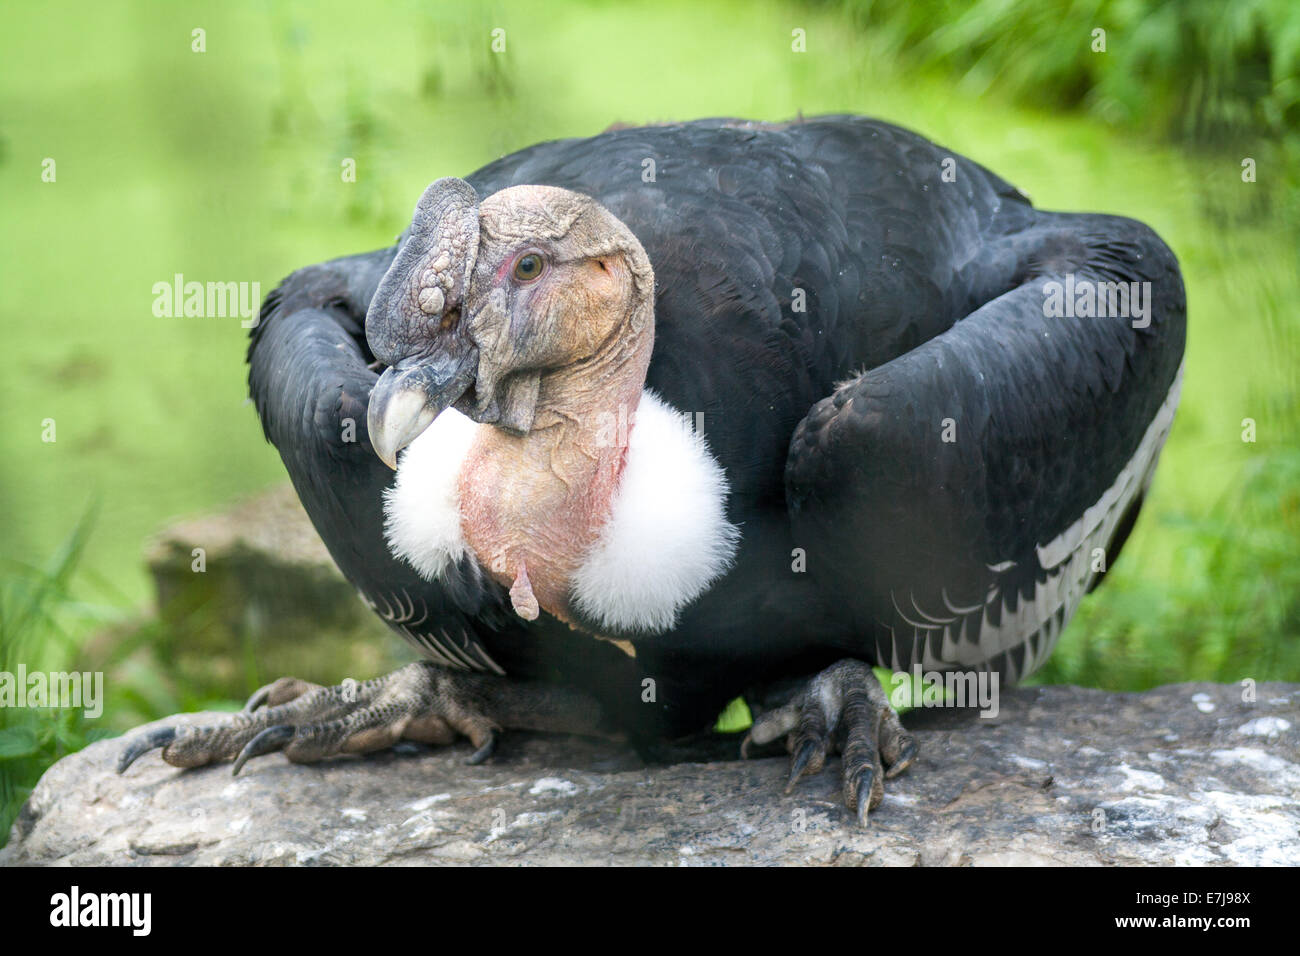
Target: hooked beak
column 411, row 326
column 411, row 394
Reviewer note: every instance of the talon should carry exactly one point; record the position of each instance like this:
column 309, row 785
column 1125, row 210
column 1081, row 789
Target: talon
column 489, row 747
column 268, row 741
column 144, row 743
column 310, row 723
column 905, row 758
column 800, row 763
column 842, row 709
column 259, row 697
column 863, row 782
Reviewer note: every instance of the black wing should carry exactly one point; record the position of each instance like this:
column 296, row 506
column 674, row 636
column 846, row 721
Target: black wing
column 736, row 216
column 974, row 551
column 309, row 377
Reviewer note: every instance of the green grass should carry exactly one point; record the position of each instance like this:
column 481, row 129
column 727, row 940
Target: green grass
column 47, row 625
column 226, row 166
column 39, row 623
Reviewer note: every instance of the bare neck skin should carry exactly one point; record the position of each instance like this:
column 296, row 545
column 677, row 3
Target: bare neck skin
column 532, row 505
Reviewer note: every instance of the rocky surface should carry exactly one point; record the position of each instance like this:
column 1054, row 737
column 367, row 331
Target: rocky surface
column 1185, row 774
column 253, row 585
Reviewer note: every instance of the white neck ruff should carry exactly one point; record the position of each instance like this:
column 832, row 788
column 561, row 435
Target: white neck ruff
column 667, row 538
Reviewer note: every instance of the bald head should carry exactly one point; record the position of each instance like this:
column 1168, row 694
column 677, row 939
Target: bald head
column 489, row 298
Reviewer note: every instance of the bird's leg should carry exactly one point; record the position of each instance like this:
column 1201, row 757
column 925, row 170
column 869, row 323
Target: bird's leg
column 846, row 708
column 420, row 702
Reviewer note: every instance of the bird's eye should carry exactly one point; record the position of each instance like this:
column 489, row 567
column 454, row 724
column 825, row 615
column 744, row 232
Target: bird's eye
column 529, row 267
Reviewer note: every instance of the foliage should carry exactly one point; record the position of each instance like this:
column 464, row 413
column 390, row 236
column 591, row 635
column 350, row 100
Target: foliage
column 1230, row 611
column 1219, row 75
column 46, row 627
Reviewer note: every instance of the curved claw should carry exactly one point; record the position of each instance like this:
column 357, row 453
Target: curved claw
column 865, row 781
column 144, row 743
column 904, row 760
column 268, row 741
column 489, row 747
column 800, row 763
column 258, row 699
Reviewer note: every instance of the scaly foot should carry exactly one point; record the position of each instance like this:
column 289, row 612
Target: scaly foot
column 846, row 708
column 420, row 702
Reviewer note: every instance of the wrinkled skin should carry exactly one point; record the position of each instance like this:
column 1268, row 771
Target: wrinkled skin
column 546, row 360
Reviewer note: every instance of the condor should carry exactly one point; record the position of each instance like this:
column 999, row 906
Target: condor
column 785, row 319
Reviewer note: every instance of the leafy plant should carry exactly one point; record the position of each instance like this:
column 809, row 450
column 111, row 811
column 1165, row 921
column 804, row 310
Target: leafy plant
column 40, row 627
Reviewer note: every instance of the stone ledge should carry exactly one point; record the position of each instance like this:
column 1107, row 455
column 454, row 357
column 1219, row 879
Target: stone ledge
column 1184, row 774
column 268, row 592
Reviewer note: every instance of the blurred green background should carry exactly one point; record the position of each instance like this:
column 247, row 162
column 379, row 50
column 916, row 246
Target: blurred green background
column 225, row 165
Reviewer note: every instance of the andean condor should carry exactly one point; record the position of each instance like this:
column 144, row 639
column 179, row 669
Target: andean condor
column 814, row 396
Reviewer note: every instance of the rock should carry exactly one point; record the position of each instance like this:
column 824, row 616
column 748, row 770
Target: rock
column 1184, row 774
column 249, row 594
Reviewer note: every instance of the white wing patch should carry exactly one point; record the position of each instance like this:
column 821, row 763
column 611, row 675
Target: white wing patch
column 668, row 537
column 438, row 644
column 943, row 642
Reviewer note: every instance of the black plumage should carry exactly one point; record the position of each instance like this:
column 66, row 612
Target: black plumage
column 922, row 301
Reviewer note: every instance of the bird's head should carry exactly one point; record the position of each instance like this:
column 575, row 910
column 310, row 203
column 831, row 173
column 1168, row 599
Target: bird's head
column 490, row 305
